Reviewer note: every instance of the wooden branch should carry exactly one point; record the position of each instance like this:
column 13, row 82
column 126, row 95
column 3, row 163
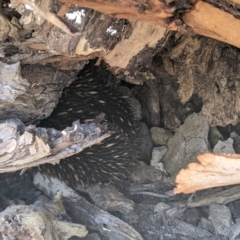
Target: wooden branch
column 150, row 11
column 28, row 222
column 204, row 19
column 37, row 146
column 212, row 171
column 220, row 197
column 80, row 210
column 212, row 22
column 52, row 18
column 235, row 1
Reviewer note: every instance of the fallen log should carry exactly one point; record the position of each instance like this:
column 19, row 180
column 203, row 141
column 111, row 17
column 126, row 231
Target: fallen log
column 204, row 18
column 25, row 147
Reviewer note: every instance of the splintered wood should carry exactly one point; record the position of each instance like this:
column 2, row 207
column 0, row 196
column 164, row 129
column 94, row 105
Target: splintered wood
column 151, row 11
column 25, row 147
column 204, row 19
column 52, row 18
column 212, row 171
column 215, row 23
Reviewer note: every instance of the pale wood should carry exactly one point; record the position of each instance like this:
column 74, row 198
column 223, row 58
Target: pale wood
column 37, row 146
column 212, row 22
column 143, row 34
column 234, row 1
column 212, row 171
column 80, row 210
column 150, row 11
column 204, row 19
column 28, row 222
column 222, row 197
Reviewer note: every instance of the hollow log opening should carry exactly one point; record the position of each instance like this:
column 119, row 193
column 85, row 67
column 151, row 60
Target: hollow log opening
column 109, row 110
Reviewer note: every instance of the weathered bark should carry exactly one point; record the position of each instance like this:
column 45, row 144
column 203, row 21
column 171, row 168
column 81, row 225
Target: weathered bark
column 126, row 46
column 30, row 92
column 204, row 19
column 38, row 221
column 25, row 147
column 212, row 171
column 215, row 23
column 205, row 75
column 82, row 211
column 149, row 11
column 149, row 98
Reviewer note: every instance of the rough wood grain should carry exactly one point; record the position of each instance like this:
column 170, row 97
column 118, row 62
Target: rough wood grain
column 212, row 171
column 40, row 220
column 81, row 211
column 204, row 19
column 151, row 11
column 25, row 147
column 212, row 22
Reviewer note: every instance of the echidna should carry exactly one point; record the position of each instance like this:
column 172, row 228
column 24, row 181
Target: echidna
column 110, row 160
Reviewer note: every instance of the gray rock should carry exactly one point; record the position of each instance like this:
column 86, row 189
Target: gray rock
column 236, row 142
column 160, row 207
column 145, row 173
column 195, row 126
column 144, row 142
column 224, row 146
column 92, row 236
column 221, row 218
column 160, row 136
column 213, row 136
column 195, row 147
column 190, row 140
column 174, row 157
column 107, row 197
column 157, row 155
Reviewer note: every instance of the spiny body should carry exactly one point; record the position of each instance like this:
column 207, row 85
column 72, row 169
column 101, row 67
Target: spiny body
column 110, row 160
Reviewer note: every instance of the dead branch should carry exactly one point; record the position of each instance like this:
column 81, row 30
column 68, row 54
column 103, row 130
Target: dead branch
column 28, row 222
column 212, row 171
column 204, row 19
column 215, row 23
column 82, row 211
column 52, row 18
column 31, row 146
column 149, row 11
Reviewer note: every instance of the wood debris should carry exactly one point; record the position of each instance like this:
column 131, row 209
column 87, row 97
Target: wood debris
column 212, row 171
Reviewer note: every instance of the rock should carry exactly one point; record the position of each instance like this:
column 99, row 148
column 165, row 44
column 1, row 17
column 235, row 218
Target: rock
column 221, row 218
column 160, row 207
column 160, row 136
column 145, row 173
column 145, row 144
column 188, row 230
column 224, row 147
column 174, row 157
column 213, row 136
column 107, row 197
column 195, row 126
column 190, row 140
column 157, row 155
column 7, row 29
column 236, row 142
column 92, row 236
